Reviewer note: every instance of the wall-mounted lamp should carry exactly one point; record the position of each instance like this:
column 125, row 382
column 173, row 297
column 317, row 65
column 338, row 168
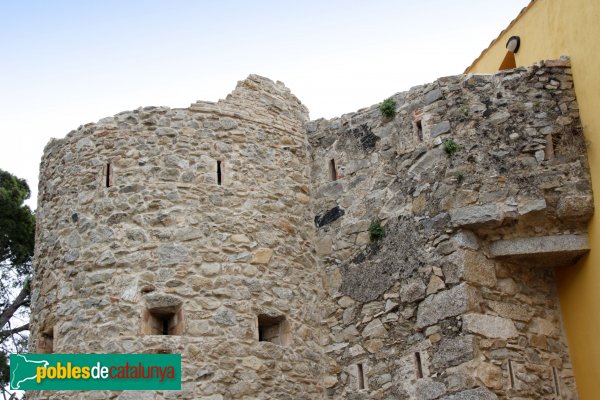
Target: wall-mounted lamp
column 513, row 44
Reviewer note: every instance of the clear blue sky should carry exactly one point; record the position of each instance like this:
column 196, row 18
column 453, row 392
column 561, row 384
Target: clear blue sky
column 67, row 63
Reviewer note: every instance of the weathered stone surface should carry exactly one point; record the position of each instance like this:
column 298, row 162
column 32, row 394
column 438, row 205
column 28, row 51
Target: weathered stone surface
column 544, row 327
column 490, row 375
column 262, row 256
column 374, row 329
column 427, row 161
column 427, row 389
column 431, row 96
column 172, row 254
column 137, row 395
column 489, row 326
column 454, row 351
column 529, row 206
column 164, row 131
column 71, row 255
column 324, row 246
column 472, row 394
column 544, row 251
column 224, row 316
column 106, row 258
column 210, row 269
column 499, row 117
column 458, row 300
column 162, row 303
column 470, row 266
column 367, row 275
column 414, row 290
column 435, row 285
column 575, row 207
column 473, row 216
column 511, row 311
column 466, row 239
column 440, row 129
column 330, row 381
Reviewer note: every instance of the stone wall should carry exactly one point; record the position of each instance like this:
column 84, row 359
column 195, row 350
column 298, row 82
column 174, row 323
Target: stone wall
column 166, row 236
column 237, row 233
column 450, row 297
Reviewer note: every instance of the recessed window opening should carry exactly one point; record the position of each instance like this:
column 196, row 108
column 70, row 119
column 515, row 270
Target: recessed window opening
column 556, row 381
column 511, row 374
column 274, row 329
column 419, row 365
column 333, row 170
column 46, row 345
column 163, row 322
column 219, row 173
column 108, row 175
column 360, row 376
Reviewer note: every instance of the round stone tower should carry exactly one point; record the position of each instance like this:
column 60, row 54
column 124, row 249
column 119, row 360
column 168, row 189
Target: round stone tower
column 184, row 231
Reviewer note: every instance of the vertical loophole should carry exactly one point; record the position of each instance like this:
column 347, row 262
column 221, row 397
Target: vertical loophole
column 419, row 130
column 108, row 172
column 556, row 382
column 419, row 365
column 361, row 376
column 219, row 173
column 511, row 374
column 549, row 150
column 333, row 170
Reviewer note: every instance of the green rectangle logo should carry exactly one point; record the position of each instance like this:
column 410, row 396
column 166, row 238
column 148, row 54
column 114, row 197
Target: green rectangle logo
column 95, row 371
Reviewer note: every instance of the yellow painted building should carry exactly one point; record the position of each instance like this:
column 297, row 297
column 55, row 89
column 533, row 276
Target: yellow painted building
column 548, row 29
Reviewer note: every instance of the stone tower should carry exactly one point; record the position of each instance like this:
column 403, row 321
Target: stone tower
column 240, row 235
column 185, row 231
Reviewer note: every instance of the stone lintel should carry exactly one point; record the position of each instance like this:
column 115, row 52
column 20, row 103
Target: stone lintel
column 542, row 251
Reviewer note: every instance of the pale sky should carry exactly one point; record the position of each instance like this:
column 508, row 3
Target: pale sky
column 67, row 63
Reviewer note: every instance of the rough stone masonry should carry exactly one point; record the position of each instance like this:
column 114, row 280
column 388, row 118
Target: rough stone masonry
column 237, row 233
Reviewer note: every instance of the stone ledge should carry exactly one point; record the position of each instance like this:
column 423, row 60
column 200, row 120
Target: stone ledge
column 543, row 251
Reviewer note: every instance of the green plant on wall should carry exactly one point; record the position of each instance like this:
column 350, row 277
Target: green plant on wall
column 388, row 108
column 450, row 146
column 376, row 231
column 460, row 177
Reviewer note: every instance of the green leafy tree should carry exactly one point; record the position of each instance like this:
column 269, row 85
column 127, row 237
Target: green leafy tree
column 17, row 229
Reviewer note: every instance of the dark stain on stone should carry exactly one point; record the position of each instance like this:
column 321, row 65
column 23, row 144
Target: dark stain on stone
column 371, row 272
column 365, row 136
column 329, row 217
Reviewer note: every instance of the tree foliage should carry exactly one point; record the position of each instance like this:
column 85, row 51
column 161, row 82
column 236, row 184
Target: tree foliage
column 17, row 229
column 17, row 223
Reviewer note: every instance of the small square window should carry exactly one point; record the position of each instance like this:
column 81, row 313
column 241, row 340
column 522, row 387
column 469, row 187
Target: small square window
column 164, row 323
column 274, row 329
column 46, row 342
